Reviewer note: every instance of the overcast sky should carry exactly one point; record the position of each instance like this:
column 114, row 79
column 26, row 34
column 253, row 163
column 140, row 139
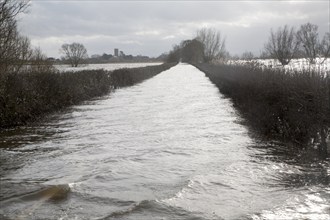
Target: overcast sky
column 153, row 27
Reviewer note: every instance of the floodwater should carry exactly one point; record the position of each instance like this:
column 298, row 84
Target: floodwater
column 105, row 66
column 171, row 147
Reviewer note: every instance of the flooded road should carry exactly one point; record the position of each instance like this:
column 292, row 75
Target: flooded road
column 171, row 147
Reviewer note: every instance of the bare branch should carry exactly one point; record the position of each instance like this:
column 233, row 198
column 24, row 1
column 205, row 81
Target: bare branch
column 75, row 53
column 214, row 43
column 325, row 47
column 308, row 38
column 282, row 44
column 13, row 47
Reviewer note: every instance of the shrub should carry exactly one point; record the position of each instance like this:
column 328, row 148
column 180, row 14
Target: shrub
column 292, row 106
column 128, row 77
column 26, row 96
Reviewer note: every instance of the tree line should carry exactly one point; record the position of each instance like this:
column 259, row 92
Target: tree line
column 207, row 46
column 284, row 44
column 292, row 107
column 30, row 87
column 15, row 49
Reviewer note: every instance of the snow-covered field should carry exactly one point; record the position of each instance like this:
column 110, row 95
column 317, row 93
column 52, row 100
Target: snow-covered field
column 105, row 66
column 295, row 64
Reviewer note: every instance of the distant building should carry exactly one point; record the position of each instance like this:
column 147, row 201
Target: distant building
column 116, row 52
column 121, row 53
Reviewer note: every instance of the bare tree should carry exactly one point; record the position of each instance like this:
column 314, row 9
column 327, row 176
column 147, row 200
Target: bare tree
column 309, row 39
column 76, row 53
column 247, row 55
column 174, row 55
column 39, row 62
column 214, row 43
column 23, row 52
column 11, row 43
column 9, row 9
column 324, row 47
column 282, row 44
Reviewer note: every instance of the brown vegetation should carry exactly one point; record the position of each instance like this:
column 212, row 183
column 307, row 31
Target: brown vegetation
column 128, row 77
column 26, row 96
column 293, row 107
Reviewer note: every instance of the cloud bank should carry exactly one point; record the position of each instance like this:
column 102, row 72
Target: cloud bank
column 152, row 27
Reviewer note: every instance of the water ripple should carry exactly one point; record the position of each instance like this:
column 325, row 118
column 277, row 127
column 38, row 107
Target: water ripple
column 171, row 147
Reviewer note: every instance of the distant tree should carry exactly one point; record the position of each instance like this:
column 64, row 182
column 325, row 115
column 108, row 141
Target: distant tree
column 282, row 44
column 174, row 55
column 129, row 57
column 39, row 62
column 214, row 44
column 192, row 51
column 23, row 52
column 14, row 48
column 75, row 53
column 235, row 57
column 264, row 54
column 247, row 55
column 325, row 47
column 308, row 37
column 106, row 56
column 95, row 56
column 162, row 57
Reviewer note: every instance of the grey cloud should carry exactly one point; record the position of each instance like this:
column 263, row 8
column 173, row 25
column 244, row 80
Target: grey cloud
column 150, row 28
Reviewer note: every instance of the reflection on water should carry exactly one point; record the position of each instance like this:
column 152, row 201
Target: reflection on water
column 171, row 147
